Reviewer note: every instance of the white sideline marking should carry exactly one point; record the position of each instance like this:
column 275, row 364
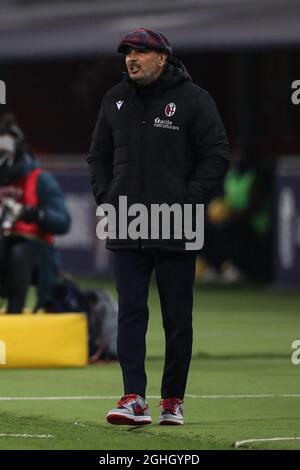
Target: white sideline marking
column 247, row 441
column 113, row 397
column 265, row 395
column 34, row 436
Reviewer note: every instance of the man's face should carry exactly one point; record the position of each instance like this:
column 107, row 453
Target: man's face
column 144, row 67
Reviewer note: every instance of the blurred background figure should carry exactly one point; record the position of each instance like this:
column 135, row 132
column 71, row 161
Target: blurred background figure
column 238, row 225
column 101, row 312
column 32, row 212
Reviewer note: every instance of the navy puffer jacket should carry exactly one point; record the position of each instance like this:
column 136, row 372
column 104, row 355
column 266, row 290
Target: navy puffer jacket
column 173, row 150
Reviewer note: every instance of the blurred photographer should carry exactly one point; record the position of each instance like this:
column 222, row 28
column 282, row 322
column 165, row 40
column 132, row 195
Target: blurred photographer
column 32, row 211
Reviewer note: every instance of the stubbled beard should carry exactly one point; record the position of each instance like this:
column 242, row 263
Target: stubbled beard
column 145, row 79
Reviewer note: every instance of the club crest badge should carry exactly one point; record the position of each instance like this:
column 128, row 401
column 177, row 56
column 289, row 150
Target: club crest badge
column 170, row 109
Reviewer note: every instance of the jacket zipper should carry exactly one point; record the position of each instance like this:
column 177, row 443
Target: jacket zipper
column 144, row 122
column 139, row 109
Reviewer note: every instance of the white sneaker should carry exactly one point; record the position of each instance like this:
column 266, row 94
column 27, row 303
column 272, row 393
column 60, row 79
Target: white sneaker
column 132, row 409
column 171, row 411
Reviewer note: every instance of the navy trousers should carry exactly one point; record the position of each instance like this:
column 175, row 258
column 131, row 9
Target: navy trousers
column 175, row 275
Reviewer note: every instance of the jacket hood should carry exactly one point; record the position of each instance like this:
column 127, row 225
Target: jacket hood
column 177, row 68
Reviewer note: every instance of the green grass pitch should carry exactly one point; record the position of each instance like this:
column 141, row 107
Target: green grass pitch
column 240, row 380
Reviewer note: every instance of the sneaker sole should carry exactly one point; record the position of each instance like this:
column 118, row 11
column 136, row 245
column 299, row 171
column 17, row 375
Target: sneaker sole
column 120, row 419
column 169, row 422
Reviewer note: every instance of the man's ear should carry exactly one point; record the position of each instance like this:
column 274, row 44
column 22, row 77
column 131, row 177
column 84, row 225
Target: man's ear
column 162, row 59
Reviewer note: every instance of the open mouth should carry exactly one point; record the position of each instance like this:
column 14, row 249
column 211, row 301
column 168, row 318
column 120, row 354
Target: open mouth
column 134, row 68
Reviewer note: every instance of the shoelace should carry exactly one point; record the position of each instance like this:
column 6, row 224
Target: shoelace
column 126, row 400
column 170, row 404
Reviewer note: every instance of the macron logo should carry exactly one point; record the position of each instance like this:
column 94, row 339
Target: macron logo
column 119, row 104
